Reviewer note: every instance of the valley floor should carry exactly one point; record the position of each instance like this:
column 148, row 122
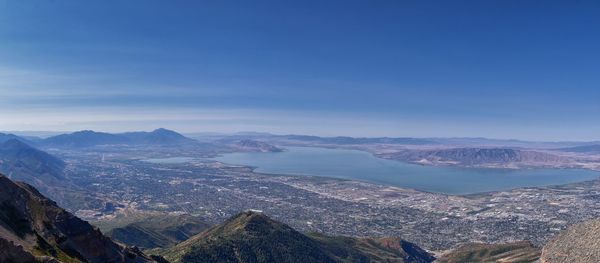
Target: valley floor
column 126, row 187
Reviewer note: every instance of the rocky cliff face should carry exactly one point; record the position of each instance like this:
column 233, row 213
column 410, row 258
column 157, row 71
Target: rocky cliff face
column 34, row 227
column 578, row 244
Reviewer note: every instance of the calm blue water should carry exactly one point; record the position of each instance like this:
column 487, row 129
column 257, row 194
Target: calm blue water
column 350, row 164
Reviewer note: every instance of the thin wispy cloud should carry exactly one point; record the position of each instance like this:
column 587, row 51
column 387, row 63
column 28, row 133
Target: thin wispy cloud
column 295, row 63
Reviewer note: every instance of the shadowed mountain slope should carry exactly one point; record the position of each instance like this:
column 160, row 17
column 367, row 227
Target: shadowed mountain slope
column 159, row 231
column 5, row 137
column 25, row 163
column 33, row 227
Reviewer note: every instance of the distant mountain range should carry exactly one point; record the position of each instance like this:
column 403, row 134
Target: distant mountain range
column 352, row 140
column 34, row 229
column 255, row 146
column 595, row 148
column 91, row 138
column 163, row 136
column 345, row 140
column 83, row 139
column 474, row 156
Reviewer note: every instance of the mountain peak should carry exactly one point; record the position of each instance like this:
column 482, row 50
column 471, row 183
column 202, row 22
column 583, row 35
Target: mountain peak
column 163, row 130
column 249, row 237
column 252, row 236
column 251, row 223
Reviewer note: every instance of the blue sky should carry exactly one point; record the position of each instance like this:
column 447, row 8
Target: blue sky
column 501, row 69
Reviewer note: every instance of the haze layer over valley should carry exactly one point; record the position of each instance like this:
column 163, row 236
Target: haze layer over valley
column 299, row 131
column 113, row 182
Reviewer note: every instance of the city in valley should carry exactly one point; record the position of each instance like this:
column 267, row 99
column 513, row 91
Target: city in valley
column 121, row 182
column 336, row 131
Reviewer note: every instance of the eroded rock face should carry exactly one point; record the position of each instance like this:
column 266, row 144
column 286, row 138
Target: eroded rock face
column 33, row 225
column 578, row 244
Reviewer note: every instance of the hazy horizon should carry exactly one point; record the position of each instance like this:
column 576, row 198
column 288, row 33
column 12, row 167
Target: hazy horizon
column 509, row 70
column 45, row 134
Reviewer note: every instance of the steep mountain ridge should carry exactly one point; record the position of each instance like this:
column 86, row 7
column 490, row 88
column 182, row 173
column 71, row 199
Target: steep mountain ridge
column 24, row 156
column 7, row 136
column 254, row 237
column 25, row 163
column 34, row 227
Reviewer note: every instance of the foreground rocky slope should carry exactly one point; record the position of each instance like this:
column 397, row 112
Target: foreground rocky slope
column 253, row 237
column 578, row 244
column 34, row 229
column 518, row 252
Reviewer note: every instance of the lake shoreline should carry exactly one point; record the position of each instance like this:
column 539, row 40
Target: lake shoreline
column 354, row 164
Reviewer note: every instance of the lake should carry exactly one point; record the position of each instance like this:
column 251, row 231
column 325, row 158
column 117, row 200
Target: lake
column 359, row 165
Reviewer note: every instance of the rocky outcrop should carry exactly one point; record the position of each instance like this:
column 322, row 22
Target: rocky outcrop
column 34, row 225
column 578, row 244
